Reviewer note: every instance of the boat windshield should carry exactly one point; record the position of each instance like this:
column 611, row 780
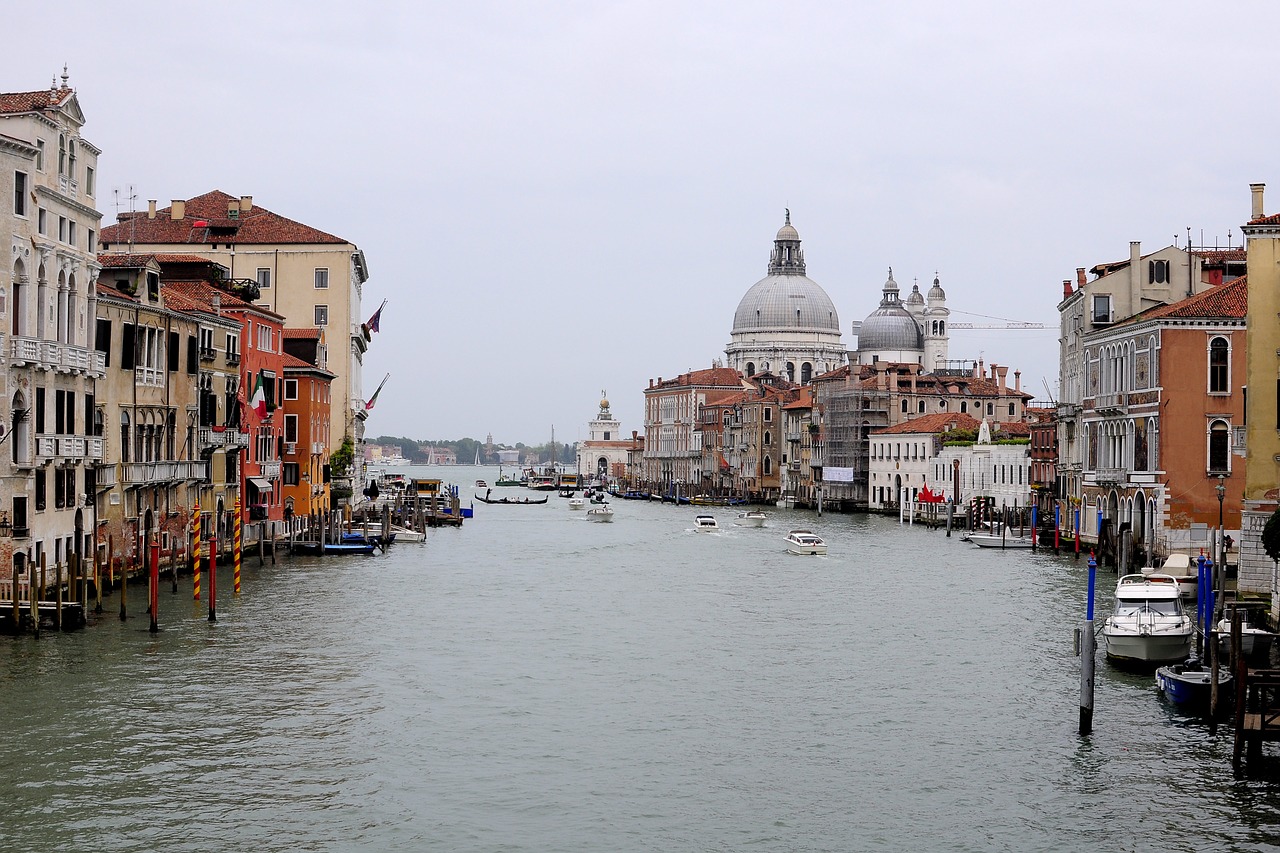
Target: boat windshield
column 1161, row 607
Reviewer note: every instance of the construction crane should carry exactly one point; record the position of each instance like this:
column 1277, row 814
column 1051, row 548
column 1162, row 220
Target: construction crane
column 1004, row 323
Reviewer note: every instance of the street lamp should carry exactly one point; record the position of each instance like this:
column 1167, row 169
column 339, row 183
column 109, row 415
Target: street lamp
column 1221, row 489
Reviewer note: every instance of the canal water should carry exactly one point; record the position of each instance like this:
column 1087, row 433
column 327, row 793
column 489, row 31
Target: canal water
column 535, row 682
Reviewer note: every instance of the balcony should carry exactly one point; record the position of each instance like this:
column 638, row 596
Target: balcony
column 70, row 446
column 193, row 469
column 291, row 448
column 206, row 437
column 93, row 449
column 271, row 470
column 1111, row 403
column 233, row 357
column 236, row 438
column 141, row 473
column 317, row 448
column 24, row 351
column 1112, row 476
column 208, row 353
column 150, row 377
column 107, row 476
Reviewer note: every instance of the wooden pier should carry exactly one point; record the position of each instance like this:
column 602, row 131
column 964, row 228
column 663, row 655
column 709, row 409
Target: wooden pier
column 71, row 618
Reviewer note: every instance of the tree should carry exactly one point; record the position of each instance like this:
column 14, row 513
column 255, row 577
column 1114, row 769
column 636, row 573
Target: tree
column 340, row 461
column 1271, row 536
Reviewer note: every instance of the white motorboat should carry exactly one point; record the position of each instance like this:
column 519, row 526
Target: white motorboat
column 577, row 503
column 995, row 540
column 1148, row 624
column 404, row 534
column 706, row 523
column 1252, row 638
column 750, row 518
column 805, row 542
column 601, row 513
column 1180, row 568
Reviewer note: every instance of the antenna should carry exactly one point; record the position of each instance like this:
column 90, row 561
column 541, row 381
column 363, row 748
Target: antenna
column 129, row 199
column 1047, row 390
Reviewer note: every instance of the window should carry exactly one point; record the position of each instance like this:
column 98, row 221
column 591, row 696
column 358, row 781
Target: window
column 174, row 353
column 1158, row 272
column 40, row 155
column 89, row 240
column 291, row 389
column 62, row 228
column 42, row 487
column 1012, row 409
column 128, row 342
column 71, row 232
column 233, row 348
column 88, row 180
column 264, row 338
column 39, row 411
column 322, row 278
column 289, row 473
column 42, row 224
column 102, row 341
column 322, row 315
column 1102, row 308
column 768, row 415
column 1218, row 379
column 193, row 354
column 264, row 278
column 291, row 428
column 1219, row 446
column 20, row 193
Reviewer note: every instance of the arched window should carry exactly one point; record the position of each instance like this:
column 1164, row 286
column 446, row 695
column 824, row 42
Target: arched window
column 942, row 327
column 768, row 438
column 71, row 159
column 62, row 154
column 904, row 405
column 768, row 466
column 124, row 437
column 806, row 373
column 1218, row 374
column 169, row 434
column 751, row 368
column 1219, row 447
column 922, row 407
column 791, row 370
column 19, row 296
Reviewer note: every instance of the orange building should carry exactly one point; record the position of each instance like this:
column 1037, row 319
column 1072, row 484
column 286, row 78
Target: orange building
column 306, row 407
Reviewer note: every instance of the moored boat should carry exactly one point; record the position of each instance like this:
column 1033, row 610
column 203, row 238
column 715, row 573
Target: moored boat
column 750, row 518
column 805, row 543
column 995, row 540
column 1147, row 624
column 404, row 534
column 1253, row 640
column 1179, row 567
column 1191, row 683
column 312, row 548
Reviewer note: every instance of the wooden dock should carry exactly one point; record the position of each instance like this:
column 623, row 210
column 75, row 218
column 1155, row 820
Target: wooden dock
column 73, row 616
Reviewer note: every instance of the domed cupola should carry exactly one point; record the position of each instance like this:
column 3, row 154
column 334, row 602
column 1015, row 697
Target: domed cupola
column 786, row 323
column 936, row 293
column 890, row 333
column 915, row 302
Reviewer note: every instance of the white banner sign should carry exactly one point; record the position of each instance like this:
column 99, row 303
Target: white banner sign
column 837, row 475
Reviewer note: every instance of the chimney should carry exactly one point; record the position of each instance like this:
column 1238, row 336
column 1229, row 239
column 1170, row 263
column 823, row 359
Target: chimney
column 216, row 301
column 1080, row 277
column 177, row 209
column 979, row 369
column 246, row 203
column 1257, row 189
column 1017, row 380
column 151, row 208
column 1066, row 288
column 1004, row 376
column 1135, row 253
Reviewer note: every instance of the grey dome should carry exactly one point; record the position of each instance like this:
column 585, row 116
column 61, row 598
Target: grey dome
column 936, row 292
column 915, row 299
column 890, row 327
column 786, row 302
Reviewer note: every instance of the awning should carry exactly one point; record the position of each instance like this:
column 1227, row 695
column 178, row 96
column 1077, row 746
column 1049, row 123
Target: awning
column 260, row 484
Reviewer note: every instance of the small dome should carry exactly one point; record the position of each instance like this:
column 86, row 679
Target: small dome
column 788, row 232
column 936, row 292
column 915, row 299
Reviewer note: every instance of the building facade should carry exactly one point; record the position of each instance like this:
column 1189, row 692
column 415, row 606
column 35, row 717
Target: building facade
column 672, row 441
column 603, row 455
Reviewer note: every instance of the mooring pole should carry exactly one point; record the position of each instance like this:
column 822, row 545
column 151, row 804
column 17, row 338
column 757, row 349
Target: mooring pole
column 1202, row 598
column 213, row 573
column 1087, row 654
column 237, row 549
column 155, row 584
column 197, row 555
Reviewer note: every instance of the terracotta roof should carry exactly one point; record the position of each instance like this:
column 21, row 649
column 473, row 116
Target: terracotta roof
column 937, row 422
column 202, row 293
column 1273, row 219
column 722, row 377
column 25, row 102
column 106, row 290
column 258, row 225
column 804, row 399
column 305, row 334
column 1230, row 300
column 1219, row 256
column 1010, row 428
column 169, row 258
column 121, row 260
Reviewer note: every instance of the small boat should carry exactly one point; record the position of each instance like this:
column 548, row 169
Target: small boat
column 577, row 503
column 600, row 498
column 750, row 518
column 805, row 542
column 331, row 549
column 1190, row 683
column 1252, row 638
column 1147, row 624
column 602, row 513
column 481, row 484
column 512, row 501
column 994, row 540
column 706, row 523
column 404, row 534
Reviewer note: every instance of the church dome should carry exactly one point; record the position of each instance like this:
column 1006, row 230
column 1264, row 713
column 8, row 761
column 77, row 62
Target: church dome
column 890, row 327
column 915, row 300
column 936, row 292
column 790, row 302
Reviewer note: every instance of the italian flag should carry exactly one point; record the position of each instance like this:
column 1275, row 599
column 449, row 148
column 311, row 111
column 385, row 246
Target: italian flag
column 259, row 400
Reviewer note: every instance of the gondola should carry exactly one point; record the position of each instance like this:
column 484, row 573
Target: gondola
column 523, row 502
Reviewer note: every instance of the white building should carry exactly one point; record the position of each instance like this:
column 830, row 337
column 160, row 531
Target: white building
column 904, row 457
column 604, row 453
column 1000, row 472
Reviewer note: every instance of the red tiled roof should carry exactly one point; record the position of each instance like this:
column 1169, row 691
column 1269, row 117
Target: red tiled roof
column 804, row 399
column 1219, row 256
column 1273, row 219
column 934, row 423
column 202, row 293
column 168, row 258
column 1230, row 300
column 121, row 260
column 25, row 102
column 720, row 377
column 258, row 225
column 306, row 334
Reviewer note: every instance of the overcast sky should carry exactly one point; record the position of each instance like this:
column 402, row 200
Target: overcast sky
column 560, row 198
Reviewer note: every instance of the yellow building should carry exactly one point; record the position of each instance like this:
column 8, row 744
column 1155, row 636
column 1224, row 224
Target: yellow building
column 1262, row 471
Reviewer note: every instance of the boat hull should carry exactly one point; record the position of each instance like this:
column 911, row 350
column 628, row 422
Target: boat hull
column 749, row 522
column 330, row 550
column 1190, row 686
column 990, row 540
column 1147, row 648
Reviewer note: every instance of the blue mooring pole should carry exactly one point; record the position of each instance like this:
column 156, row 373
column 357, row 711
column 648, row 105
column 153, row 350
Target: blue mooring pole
column 1202, row 595
column 1034, row 514
column 1087, row 654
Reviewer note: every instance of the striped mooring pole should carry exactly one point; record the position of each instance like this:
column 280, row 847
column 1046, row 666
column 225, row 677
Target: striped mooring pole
column 235, row 550
column 196, row 554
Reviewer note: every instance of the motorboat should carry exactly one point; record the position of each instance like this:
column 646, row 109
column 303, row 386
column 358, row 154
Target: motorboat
column 577, row 503
column 404, row 534
column 706, row 523
column 805, row 542
column 1180, row 568
column 602, row 513
column 996, row 540
column 481, row 484
column 1147, row 623
column 312, row 548
column 1191, row 683
column 1252, row 638
column 750, row 518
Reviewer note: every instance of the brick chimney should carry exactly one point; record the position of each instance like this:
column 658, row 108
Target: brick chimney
column 1258, row 209
column 1003, row 372
column 177, row 209
column 151, row 208
column 1066, row 288
column 1017, row 380
column 1080, row 277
